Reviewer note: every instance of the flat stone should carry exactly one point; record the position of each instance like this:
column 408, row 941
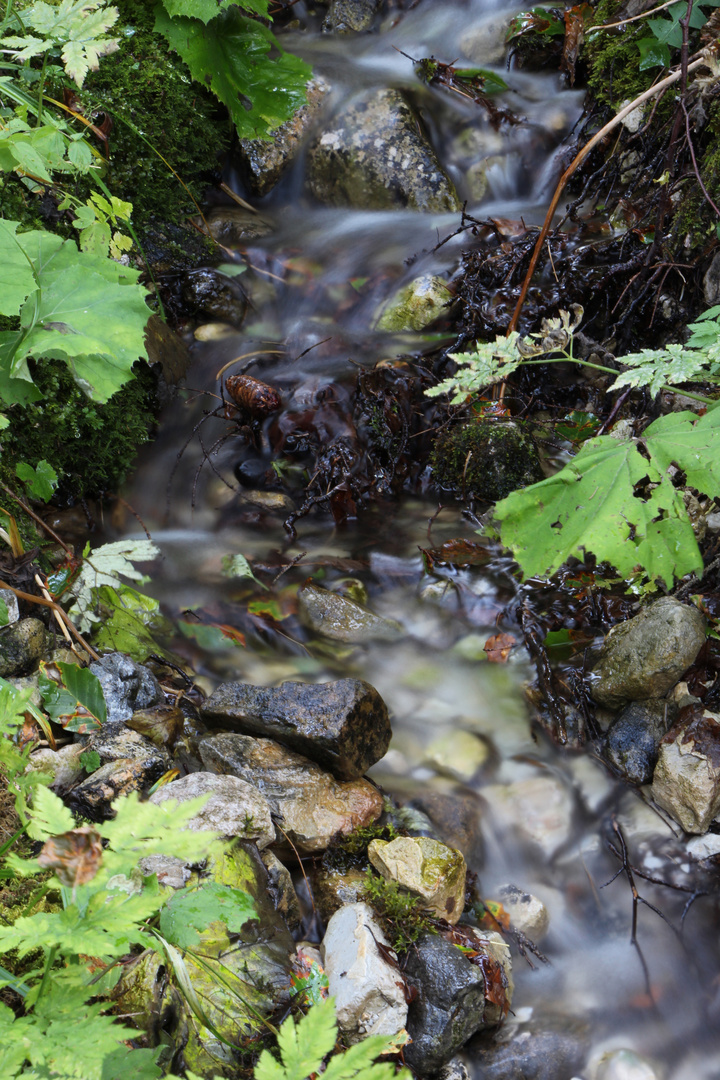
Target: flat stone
column 341, row 619
column 458, row 753
column 343, row 725
column 22, row 645
column 527, row 913
column 538, row 810
column 372, row 156
column 235, row 808
column 127, row 685
column 115, row 741
column 93, row 798
column 368, row 990
column 416, row 306
column 309, row 805
column 645, row 656
column 632, row 741
column 426, row 868
column 686, row 781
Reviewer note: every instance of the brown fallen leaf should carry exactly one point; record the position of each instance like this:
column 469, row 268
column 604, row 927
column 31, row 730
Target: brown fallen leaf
column 498, row 647
column 75, row 856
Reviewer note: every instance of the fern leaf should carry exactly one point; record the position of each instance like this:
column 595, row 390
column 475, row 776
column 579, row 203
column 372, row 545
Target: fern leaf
column 358, row 1063
column 50, row 816
column 305, row 1044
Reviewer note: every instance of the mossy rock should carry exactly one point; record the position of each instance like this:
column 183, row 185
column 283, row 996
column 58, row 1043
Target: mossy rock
column 486, row 459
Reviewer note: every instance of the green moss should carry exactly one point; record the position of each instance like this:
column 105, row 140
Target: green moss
column 350, row 852
column 485, row 458
column 694, row 219
column 91, row 447
column 613, row 59
column 401, row 915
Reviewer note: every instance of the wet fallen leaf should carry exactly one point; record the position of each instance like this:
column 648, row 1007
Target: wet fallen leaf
column 498, row 647
column 162, row 725
column 459, row 552
column 75, row 856
column 574, row 35
column 494, row 915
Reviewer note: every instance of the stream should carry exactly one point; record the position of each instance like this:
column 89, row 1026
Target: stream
column 532, row 815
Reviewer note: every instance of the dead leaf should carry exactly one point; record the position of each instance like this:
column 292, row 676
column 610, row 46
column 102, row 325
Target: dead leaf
column 498, row 647
column 75, row 856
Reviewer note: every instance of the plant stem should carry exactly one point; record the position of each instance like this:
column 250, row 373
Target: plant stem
column 612, row 371
column 41, row 90
column 50, row 960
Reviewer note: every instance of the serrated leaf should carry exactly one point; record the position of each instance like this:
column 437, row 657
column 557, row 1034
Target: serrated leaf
column 656, row 368
column 79, row 27
column 144, row 828
column 50, row 816
column 106, row 565
column 205, row 10
column 491, row 362
column 231, row 55
column 188, row 912
column 77, row 701
column 40, row 482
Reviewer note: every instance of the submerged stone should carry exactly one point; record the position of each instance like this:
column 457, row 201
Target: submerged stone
column 213, row 293
column 351, row 16
column 342, row 619
column 22, row 645
column 426, row 868
column 416, row 306
column 486, row 459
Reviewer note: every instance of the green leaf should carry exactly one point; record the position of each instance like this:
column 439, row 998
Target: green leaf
column 237, row 566
column 188, row 912
column 144, row 828
column 656, row 368
column 40, row 482
column 78, row 702
column 90, row 761
column 128, row 623
column 653, row 53
column 78, row 26
column 491, row 362
column 231, row 55
column 617, row 500
column 106, row 565
column 303, row 1045
column 205, row 10
column 50, row 816
column 4, row 614
column 17, row 279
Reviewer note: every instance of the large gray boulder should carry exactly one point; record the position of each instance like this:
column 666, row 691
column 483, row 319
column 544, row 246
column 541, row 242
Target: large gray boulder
column 645, row 656
column 372, row 156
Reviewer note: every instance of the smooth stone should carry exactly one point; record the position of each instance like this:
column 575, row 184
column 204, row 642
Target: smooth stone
column 451, row 1003
column 215, row 331
column 127, row 686
column 235, row 808
column 645, row 656
column 281, row 889
column 539, row 810
column 527, row 913
column 623, row 1065
column 454, row 819
column 213, row 293
column 426, row 868
column 686, row 781
column 333, row 888
column 22, row 645
column 63, row 765
column 459, row 754
column 632, row 742
column 351, row 16
column 341, row 619
column 372, row 156
column 368, row 990
column 309, row 805
column 484, row 42
column 343, row 726
column 263, row 161
column 93, row 797
column 416, row 306
column 232, row 226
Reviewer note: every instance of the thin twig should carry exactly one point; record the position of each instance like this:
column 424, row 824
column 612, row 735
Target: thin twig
column 55, row 607
column 694, row 162
column 39, row 520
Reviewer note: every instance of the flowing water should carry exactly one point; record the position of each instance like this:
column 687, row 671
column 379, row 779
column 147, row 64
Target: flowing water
column 547, row 833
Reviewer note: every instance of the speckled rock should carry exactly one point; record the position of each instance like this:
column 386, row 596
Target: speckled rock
column 527, row 913
column 333, row 887
column 645, row 656
column 371, row 156
column 263, row 161
column 10, row 600
column 426, row 868
column 416, row 306
column 208, row 291
column 115, row 741
column 22, row 645
column 553, row 1048
column 341, row 619
column 686, row 781
column 308, row 804
column 369, row 997
column 94, row 796
column 169, row 870
column 235, row 808
column 127, row 685
column 343, row 725
column 63, row 765
column 351, row 16
column 633, row 739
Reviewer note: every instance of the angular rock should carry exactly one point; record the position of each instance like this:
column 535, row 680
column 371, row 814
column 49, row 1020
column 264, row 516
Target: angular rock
column 632, row 741
column 235, row 808
column 281, row 889
column 527, row 912
column 215, row 294
column 426, row 868
column 341, row 619
column 451, row 1003
column 538, row 810
column 265, row 160
column 686, row 781
column 22, row 645
column 372, row 156
column 645, row 656
column 455, row 820
column 308, row 804
column 351, row 16
column 63, row 765
column 416, row 306
column 115, row 741
column 342, row 725
column 368, row 990
column 127, row 686
column 94, row 796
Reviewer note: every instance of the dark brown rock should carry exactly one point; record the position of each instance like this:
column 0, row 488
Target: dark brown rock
column 342, row 725
column 94, row 796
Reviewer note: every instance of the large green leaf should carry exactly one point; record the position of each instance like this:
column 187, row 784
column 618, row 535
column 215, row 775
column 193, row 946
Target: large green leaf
column 205, row 10
column 75, row 699
column 188, row 912
column 617, row 501
column 231, row 55
column 17, row 279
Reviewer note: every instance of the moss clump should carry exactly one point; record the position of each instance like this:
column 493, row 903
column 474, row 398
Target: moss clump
column 401, row 915
column 486, row 459
column 613, row 58
column 350, row 852
column 91, row 447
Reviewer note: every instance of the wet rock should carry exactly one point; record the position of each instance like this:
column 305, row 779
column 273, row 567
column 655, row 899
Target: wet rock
column 451, row 1002
column 632, row 741
column 333, row 887
column 341, row 619
column 455, row 819
column 454, row 1070
column 63, row 765
column 127, row 686
column 281, row 889
column 485, row 458
column 416, row 306
column 162, row 725
column 623, row 1065
column 10, row 601
column 235, row 808
column 527, row 912
column 372, row 156
column 458, row 753
column 368, row 990
column 686, row 781
column 22, row 645
column 309, row 805
column 212, row 293
column 342, row 725
column 484, row 42
column 645, row 656
column 538, row 810
column 540, row 1053
column 170, row 871
column 711, row 282
column 93, row 798
column 351, row 16
column 115, row 741
column 264, row 161
column 234, row 227
column 426, row 868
